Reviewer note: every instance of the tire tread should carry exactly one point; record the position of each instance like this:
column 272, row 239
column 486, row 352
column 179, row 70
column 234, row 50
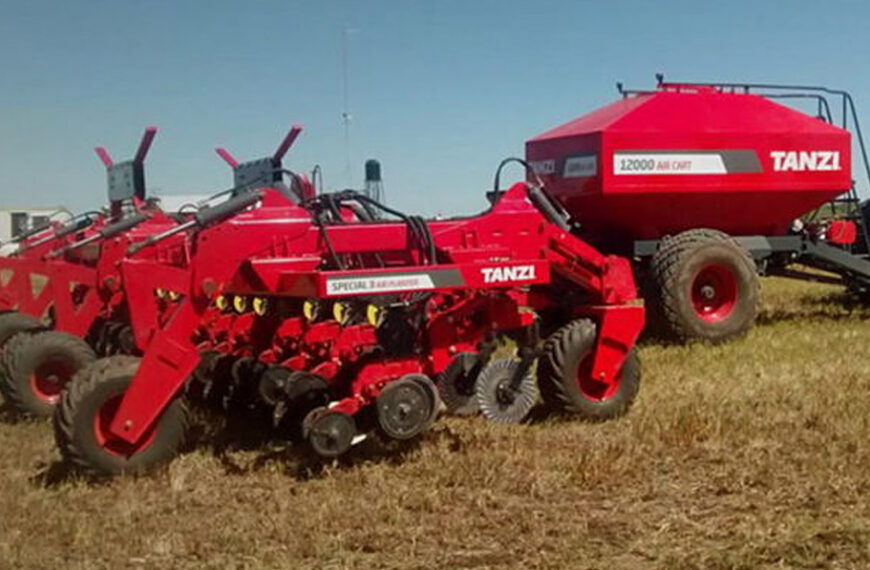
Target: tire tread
column 664, row 310
column 78, row 391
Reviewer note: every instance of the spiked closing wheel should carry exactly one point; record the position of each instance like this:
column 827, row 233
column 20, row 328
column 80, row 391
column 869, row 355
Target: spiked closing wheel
column 503, row 398
column 407, row 407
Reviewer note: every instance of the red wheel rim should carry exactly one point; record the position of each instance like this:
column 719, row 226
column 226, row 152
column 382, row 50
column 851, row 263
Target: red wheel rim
column 48, row 380
column 714, row 293
column 592, row 389
column 112, row 443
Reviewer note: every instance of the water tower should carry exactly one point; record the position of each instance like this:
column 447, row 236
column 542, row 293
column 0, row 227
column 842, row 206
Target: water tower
column 374, row 188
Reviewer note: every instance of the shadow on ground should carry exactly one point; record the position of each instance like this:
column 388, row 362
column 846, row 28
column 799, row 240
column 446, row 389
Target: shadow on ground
column 244, row 445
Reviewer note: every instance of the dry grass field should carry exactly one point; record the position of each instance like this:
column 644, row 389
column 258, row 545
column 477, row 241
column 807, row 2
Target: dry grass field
column 751, row 455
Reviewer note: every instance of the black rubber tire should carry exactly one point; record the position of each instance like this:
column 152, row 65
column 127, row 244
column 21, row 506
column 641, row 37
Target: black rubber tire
column 558, row 371
column 14, row 323
column 26, row 354
column 74, row 422
column 673, row 270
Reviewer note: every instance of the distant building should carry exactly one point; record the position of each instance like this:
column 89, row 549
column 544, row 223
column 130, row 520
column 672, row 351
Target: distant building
column 14, row 221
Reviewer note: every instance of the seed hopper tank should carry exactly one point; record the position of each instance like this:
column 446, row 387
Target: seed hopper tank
column 658, row 163
column 706, row 185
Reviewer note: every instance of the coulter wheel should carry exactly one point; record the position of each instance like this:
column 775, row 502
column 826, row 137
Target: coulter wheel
column 502, row 397
column 456, row 385
column 201, row 376
column 86, row 410
column 38, row 366
column 210, row 380
column 564, row 375
column 245, row 375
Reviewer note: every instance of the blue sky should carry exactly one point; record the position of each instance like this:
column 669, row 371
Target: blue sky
column 439, row 91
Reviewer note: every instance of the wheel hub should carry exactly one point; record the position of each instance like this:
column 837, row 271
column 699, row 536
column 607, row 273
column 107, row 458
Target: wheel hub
column 714, row 292
column 505, row 394
column 594, row 389
column 708, row 292
column 111, row 443
column 404, row 410
column 500, row 399
column 48, row 380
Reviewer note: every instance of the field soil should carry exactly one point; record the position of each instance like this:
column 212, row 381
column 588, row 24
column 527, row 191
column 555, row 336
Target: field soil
column 750, row 455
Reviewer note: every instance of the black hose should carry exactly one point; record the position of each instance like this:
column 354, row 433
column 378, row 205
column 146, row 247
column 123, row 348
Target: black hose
column 417, row 226
column 318, row 220
column 505, row 162
column 425, row 235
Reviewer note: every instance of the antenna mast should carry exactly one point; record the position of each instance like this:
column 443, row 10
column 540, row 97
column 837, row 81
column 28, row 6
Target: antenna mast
column 345, row 114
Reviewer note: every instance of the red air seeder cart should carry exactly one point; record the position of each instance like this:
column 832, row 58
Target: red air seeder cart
column 707, row 185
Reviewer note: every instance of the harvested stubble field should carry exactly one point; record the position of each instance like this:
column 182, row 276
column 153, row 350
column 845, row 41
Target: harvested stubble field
column 749, row 455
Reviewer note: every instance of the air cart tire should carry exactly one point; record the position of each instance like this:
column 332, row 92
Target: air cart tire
column 565, row 379
column 703, row 286
column 86, row 410
column 37, row 367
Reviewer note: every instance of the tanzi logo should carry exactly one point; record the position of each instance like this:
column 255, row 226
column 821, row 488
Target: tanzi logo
column 803, row 161
column 503, row 274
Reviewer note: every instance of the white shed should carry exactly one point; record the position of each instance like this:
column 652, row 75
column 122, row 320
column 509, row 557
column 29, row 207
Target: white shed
column 14, row 221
